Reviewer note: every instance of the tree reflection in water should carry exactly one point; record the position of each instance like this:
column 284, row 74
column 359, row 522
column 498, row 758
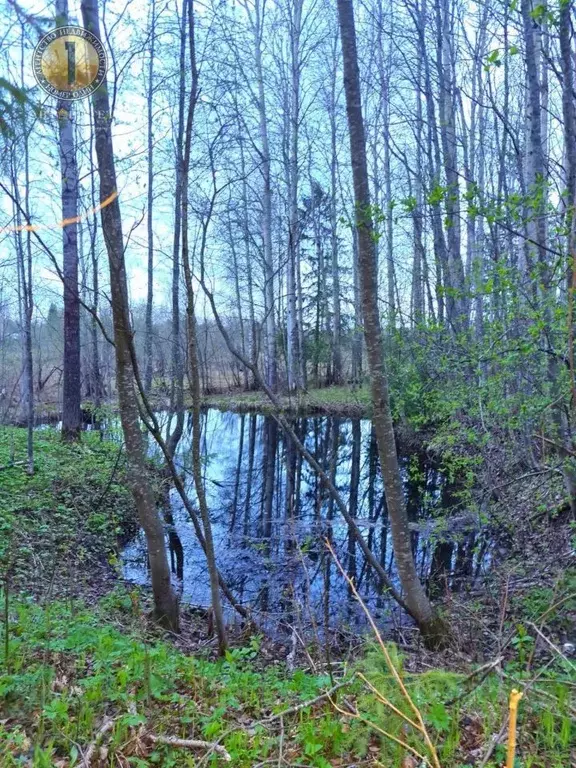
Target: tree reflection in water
column 271, row 515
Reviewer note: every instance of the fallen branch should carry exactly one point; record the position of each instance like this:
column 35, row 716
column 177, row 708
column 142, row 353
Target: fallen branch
column 494, row 741
column 172, row 741
column 106, row 726
column 12, row 464
column 484, row 671
column 303, row 705
column 551, row 645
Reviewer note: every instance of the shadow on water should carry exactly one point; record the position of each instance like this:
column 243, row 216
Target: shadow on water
column 271, row 515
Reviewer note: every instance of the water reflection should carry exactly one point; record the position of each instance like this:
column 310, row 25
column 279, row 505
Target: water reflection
column 271, row 514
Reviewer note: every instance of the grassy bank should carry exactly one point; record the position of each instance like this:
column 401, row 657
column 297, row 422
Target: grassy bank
column 337, row 401
column 62, row 525
column 84, row 672
column 77, row 681
column 342, row 401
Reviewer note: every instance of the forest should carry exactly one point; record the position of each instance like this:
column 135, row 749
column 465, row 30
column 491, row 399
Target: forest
column 288, row 383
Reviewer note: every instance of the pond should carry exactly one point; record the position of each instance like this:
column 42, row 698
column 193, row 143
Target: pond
column 271, row 516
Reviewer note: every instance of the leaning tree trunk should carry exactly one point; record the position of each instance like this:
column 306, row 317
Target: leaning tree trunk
column 193, row 361
column 165, row 601
column 431, row 626
column 71, row 392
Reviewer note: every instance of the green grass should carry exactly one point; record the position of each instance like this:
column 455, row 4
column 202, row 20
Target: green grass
column 70, row 512
column 70, row 668
column 337, row 401
column 72, row 663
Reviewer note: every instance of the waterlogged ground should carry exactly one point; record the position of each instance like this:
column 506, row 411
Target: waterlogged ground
column 271, row 516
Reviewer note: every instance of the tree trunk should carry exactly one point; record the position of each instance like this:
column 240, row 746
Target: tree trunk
column 193, row 364
column 96, row 375
column 292, row 315
column 337, row 320
column 269, row 305
column 431, row 626
column 148, row 362
column 456, row 300
column 71, row 390
column 569, row 114
column 176, row 365
column 165, row 601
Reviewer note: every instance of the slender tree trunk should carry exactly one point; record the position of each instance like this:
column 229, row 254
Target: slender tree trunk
column 569, row 114
column 293, row 350
column 193, row 363
column 457, row 303
column 71, row 390
column 237, row 290
column 148, row 362
column 26, row 310
column 26, row 304
column 358, row 317
column 96, row 374
column 269, row 304
column 165, row 601
column 536, row 175
column 253, row 352
column 337, row 320
column 432, row 628
column 177, row 367
column 418, row 314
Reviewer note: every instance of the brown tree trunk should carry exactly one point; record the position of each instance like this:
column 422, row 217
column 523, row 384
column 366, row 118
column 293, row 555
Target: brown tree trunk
column 432, row 627
column 165, row 601
column 193, row 364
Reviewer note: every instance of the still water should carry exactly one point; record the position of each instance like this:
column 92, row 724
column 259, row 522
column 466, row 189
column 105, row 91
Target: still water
column 271, row 515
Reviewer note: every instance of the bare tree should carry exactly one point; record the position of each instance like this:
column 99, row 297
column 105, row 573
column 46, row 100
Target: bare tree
column 430, row 624
column 71, row 392
column 148, row 362
column 165, row 601
column 193, row 362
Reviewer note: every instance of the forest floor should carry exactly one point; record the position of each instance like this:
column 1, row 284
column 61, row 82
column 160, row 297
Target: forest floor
column 87, row 679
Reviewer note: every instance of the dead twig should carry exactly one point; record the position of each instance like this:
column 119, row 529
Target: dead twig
column 172, row 741
column 483, row 671
column 106, row 726
column 305, row 704
column 551, row 645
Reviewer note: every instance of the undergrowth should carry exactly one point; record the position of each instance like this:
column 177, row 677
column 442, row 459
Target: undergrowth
column 67, row 518
column 70, row 668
